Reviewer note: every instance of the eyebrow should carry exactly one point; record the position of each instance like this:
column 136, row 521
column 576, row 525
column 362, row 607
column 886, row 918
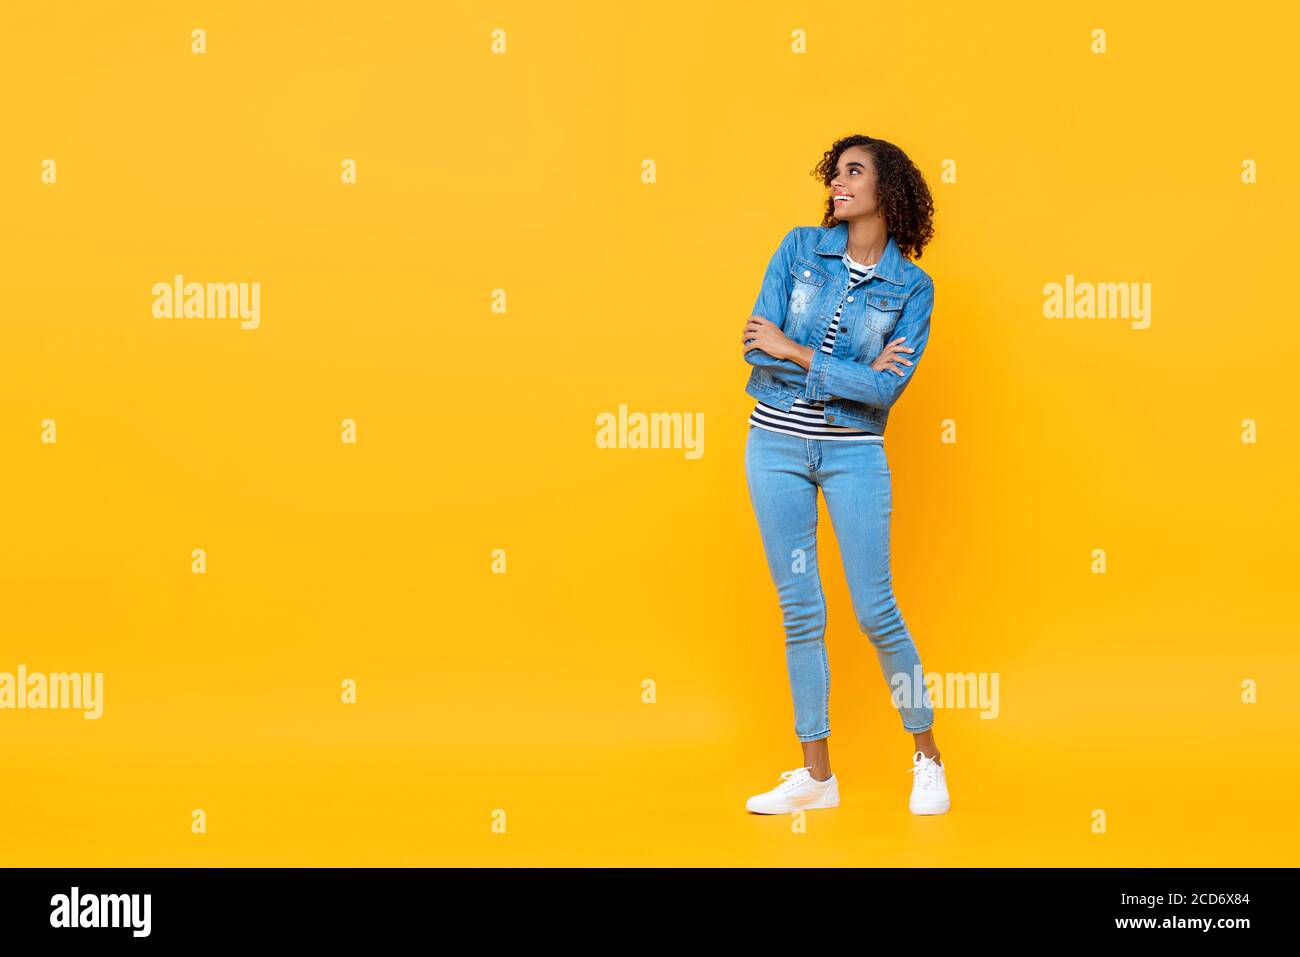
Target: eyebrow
column 855, row 163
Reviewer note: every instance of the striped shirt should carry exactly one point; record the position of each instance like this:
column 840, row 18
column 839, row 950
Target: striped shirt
column 808, row 419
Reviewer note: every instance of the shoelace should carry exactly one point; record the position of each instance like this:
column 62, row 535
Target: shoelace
column 788, row 779
column 926, row 771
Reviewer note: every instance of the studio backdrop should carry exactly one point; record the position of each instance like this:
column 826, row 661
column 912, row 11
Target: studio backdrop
column 372, row 422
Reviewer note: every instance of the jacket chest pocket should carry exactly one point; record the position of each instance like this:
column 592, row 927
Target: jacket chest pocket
column 807, row 282
column 872, row 325
column 882, row 312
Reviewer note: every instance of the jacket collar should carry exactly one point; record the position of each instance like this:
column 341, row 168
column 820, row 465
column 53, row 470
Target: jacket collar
column 835, row 240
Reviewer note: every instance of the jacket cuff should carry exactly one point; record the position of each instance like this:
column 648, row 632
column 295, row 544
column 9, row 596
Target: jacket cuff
column 815, row 381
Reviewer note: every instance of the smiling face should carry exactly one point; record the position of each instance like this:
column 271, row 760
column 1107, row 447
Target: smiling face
column 855, row 180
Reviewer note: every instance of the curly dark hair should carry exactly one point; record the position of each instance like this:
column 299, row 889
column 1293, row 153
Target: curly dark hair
column 901, row 191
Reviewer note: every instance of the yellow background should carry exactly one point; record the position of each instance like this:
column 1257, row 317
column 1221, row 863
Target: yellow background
column 476, row 430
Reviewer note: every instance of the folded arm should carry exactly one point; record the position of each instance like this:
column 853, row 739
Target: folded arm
column 831, row 377
column 773, row 299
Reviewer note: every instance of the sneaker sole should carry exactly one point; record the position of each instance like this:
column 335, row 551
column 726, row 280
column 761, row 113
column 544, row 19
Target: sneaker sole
column 938, row 809
column 819, row 806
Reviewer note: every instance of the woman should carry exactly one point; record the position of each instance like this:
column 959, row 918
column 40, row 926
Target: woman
column 849, row 287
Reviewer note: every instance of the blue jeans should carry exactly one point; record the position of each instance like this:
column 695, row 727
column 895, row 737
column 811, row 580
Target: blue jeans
column 784, row 473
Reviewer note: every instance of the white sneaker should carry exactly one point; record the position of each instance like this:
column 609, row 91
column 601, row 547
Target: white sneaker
column 797, row 791
column 929, row 786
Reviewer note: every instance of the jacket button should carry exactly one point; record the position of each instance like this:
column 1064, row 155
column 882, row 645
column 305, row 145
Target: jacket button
column 807, row 273
column 850, row 298
column 830, row 418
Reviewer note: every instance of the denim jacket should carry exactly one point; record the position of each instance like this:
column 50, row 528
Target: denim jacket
column 806, row 280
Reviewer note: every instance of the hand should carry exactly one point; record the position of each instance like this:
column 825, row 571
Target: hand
column 762, row 334
column 889, row 355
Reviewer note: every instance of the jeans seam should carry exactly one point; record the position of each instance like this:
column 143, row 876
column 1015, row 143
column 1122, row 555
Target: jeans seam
column 825, row 620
